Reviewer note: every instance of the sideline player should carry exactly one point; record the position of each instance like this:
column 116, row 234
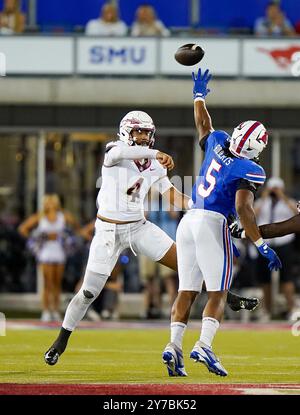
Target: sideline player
column 130, row 168
column 227, row 182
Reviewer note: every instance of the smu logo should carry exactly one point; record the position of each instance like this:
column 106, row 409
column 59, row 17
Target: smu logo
column 111, row 55
column 284, row 58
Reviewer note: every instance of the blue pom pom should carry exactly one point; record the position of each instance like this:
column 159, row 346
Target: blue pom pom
column 124, row 259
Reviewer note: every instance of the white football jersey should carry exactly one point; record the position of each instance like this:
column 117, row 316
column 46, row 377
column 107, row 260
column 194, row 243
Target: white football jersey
column 126, row 183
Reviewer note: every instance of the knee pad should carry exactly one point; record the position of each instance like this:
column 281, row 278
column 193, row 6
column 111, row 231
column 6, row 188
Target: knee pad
column 88, row 294
column 92, row 286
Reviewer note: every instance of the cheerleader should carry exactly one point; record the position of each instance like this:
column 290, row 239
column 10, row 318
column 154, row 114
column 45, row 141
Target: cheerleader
column 49, row 236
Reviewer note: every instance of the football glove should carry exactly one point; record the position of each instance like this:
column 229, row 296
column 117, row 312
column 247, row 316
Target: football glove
column 235, row 229
column 268, row 253
column 200, row 84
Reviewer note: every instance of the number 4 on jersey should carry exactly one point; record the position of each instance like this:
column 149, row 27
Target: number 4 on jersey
column 214, row 166
column 134, row 190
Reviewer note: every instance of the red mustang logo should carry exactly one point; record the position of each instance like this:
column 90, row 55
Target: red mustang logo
column 264, row 138
column 283, row 57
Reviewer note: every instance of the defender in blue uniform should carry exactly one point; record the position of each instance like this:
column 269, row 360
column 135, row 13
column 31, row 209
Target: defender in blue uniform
column 222, row 174
column 227, row 182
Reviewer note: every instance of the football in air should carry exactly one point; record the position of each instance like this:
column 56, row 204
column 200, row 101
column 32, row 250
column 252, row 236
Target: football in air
column 189, row 54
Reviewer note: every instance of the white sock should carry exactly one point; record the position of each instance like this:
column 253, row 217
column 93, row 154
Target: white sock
column 177, row 332
column 209, row 329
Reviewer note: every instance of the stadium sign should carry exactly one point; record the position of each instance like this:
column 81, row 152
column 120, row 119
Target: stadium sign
column 277, row 58
column 37, row 55
column 117, row 56
column 85, row 55
column 2, row 64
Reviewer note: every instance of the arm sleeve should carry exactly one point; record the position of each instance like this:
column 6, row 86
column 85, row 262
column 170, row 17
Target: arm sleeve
column 114, row 154
column 162, row 185
column 246, row 185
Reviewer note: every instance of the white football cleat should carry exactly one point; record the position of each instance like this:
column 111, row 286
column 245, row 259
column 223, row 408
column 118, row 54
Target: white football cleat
column 173, row 358
column 204, row 354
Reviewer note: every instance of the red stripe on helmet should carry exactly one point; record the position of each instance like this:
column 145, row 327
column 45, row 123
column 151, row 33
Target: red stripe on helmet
column 244, row 139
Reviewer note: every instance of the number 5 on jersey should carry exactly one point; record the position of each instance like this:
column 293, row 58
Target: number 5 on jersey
column 214, row 166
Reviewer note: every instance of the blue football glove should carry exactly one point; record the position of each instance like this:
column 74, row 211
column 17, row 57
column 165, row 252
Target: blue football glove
column 267, row 252
column 200, row 84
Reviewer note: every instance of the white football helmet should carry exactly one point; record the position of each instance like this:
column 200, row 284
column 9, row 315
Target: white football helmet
column 248, row 140
column 136, row 120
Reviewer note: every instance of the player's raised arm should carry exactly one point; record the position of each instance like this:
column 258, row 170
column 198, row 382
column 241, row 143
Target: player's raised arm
column 244, row 207
column 202, row 118
column 114, row 154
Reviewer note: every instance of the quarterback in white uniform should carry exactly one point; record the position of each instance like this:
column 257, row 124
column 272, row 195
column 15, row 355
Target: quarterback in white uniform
column 128, row 173
column 131, row 167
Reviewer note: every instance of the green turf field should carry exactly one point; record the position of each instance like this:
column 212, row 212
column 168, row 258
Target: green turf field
column 134, row 356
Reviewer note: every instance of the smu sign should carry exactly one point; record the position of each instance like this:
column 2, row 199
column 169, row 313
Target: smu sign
column 115, row 56
column 100, row 54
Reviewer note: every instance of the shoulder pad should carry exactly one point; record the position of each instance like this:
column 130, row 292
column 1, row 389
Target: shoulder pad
column 253, row 172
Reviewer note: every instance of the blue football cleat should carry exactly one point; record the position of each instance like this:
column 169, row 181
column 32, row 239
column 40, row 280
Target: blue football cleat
column 203, row 354
column 172, row 357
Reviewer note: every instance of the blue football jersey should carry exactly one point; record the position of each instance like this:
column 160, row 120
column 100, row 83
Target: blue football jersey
column 221, row 175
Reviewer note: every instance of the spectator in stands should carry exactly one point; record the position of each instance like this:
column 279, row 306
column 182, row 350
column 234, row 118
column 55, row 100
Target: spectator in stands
column 275, row 206
column 50, row 247
column 147, row 24
column 11, row 19
column 108, row 24
column 274, row 23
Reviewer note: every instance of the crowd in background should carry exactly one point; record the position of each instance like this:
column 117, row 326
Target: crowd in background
column 146, row 22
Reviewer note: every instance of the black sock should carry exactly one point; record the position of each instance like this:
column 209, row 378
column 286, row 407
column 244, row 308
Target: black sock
column 233, row 298
column 62, row 340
